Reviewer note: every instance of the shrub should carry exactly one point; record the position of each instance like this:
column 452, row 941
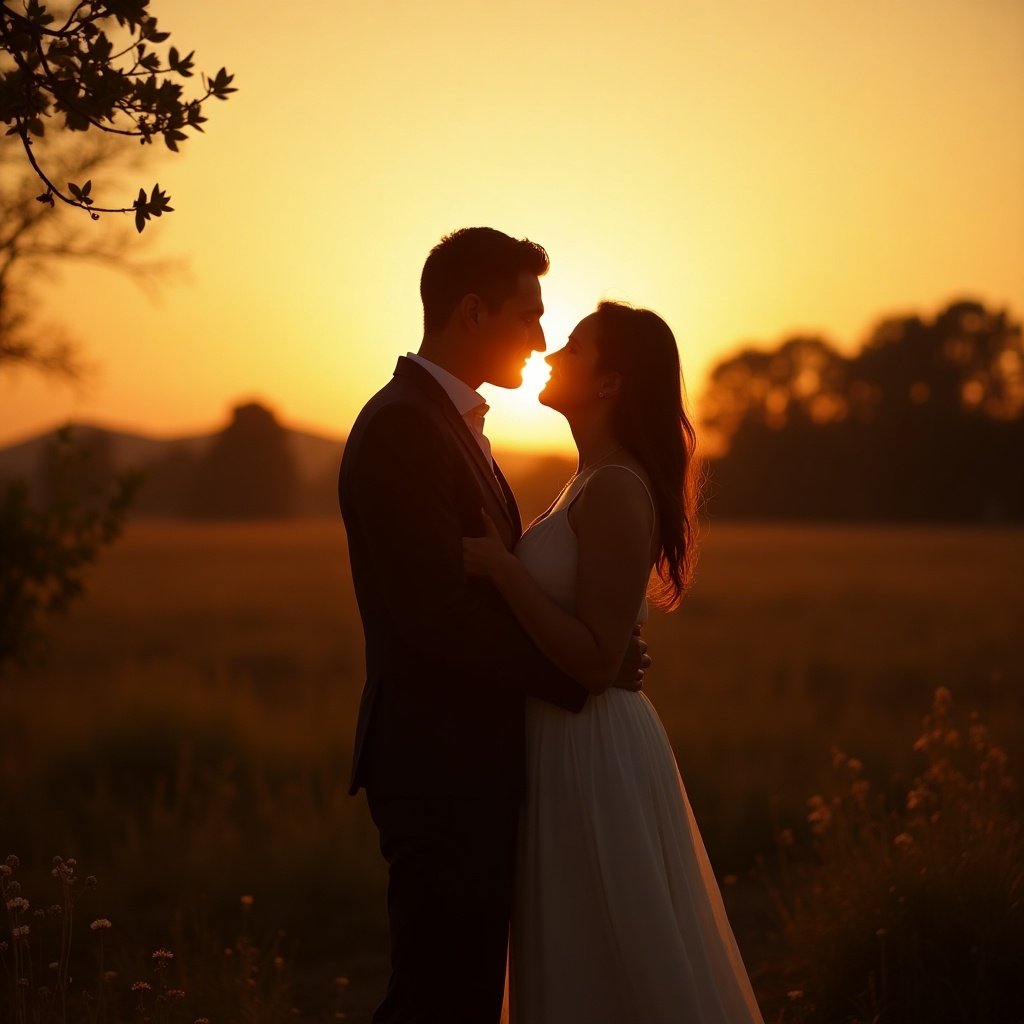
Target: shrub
column 908, row 905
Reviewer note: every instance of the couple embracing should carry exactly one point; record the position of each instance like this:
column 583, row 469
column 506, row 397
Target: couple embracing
column 528, row 802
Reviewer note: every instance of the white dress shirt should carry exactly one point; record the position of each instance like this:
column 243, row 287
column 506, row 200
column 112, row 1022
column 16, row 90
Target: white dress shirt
column 469, row 403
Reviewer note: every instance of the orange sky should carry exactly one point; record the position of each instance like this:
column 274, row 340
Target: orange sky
column 745, row 167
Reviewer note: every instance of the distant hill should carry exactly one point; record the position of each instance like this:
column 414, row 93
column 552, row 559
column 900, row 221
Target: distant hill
column 175, row 468
column 169, row 464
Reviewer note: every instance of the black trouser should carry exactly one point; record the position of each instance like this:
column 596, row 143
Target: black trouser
column 450, row 873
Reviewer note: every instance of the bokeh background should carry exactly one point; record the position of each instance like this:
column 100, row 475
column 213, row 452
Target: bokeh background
column 825, row 202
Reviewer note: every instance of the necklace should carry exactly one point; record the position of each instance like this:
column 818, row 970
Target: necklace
column 599, row 462
column 581, row 473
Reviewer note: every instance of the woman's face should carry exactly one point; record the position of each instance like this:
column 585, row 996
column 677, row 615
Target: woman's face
column 574, row 380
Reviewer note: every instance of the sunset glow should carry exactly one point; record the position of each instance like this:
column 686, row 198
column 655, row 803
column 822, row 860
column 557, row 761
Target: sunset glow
column 745, row 169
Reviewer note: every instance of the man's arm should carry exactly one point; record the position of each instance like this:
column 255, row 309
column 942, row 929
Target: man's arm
column 401, row 496
column 613, row 531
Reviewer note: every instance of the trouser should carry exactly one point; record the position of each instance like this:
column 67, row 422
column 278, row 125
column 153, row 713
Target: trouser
column 451, row 863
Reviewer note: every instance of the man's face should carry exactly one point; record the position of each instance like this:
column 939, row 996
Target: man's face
column 507, row 337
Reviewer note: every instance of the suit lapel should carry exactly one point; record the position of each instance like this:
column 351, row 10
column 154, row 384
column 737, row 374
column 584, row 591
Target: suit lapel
column 510, row 501
column 471, row 450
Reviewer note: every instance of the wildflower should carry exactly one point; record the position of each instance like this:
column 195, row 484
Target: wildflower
column 201, row 1020
column 820, row 816
column 795, row 995
column 943, row 700
column 141, row 986
column 109, row 976
column 247, row 901
column 63, row 870
column 19, row 932
column 18, row 903
column 100, row 924
column 175, row 993
column 904, row 841
column 43, row 992
column 162, row 955
column 5, row 871
column 12, row 862
column 23, row 982
column 54, row 965
column 854, row 766
column 90, row 881
column 859, row 790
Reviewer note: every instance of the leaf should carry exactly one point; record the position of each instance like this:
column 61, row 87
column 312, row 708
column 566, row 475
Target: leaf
column 141, row 212
column 158, row 202
column 219, row 86
column 172, row 137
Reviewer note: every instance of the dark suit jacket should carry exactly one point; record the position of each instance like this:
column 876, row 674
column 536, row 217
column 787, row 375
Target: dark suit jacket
column 447, row 665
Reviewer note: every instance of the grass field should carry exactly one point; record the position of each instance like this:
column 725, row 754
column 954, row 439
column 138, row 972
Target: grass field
column 188, row 739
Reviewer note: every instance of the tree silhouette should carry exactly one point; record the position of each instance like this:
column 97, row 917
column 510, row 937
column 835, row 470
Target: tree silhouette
column 248, row 471
column 925, row 421
column 98, row 68
column 46, row 547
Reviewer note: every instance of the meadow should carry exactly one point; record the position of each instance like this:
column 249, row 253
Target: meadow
column 188, row 737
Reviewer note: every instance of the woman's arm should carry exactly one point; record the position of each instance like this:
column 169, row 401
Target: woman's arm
column 613, row 523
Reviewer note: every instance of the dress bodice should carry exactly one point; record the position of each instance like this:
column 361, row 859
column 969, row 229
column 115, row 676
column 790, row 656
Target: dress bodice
column 550, row 551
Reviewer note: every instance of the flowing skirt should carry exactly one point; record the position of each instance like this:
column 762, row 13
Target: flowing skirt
column 617, row 918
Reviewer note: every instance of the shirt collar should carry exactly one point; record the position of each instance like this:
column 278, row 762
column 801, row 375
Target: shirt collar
column 463, row 397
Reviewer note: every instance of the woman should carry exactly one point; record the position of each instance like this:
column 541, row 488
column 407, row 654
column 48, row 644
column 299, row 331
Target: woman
column 617, row 919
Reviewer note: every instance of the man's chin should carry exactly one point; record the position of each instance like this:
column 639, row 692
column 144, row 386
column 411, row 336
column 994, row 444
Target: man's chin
column 509, row 381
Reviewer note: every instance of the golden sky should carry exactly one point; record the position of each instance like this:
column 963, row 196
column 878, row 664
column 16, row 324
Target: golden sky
column 746, row 168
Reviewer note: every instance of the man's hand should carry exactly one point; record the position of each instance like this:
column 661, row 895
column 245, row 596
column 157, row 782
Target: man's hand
column 634, row 664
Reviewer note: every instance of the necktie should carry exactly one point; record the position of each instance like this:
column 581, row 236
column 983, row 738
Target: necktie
column 475, row 421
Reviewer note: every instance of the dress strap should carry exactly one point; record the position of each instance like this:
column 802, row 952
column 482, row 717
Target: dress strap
column 617, row 465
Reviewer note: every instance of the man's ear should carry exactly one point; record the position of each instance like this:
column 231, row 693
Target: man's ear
column 471, row 310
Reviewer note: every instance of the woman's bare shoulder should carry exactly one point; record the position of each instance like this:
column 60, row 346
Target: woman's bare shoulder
column 620, row 492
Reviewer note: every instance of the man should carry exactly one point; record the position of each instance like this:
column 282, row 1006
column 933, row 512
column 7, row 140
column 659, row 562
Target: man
column 440, row 738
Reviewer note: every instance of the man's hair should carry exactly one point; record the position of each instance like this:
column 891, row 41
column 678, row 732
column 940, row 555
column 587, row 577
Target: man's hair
column 475, row 261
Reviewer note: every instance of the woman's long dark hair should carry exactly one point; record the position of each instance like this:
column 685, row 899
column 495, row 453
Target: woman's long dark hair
column 650, row 421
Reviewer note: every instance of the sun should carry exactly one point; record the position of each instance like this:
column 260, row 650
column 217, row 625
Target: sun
column 517, row 420
column 535, row 376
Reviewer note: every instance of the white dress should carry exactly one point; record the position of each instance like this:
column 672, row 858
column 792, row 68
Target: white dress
column 617, row 917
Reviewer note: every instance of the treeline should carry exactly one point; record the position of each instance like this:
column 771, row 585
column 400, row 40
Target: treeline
column 255, row 468
column 924, row 423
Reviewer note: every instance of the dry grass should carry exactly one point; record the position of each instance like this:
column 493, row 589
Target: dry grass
column 190, row 736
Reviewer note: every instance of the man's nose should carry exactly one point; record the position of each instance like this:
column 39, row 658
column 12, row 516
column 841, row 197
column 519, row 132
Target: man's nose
column 539, row 343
